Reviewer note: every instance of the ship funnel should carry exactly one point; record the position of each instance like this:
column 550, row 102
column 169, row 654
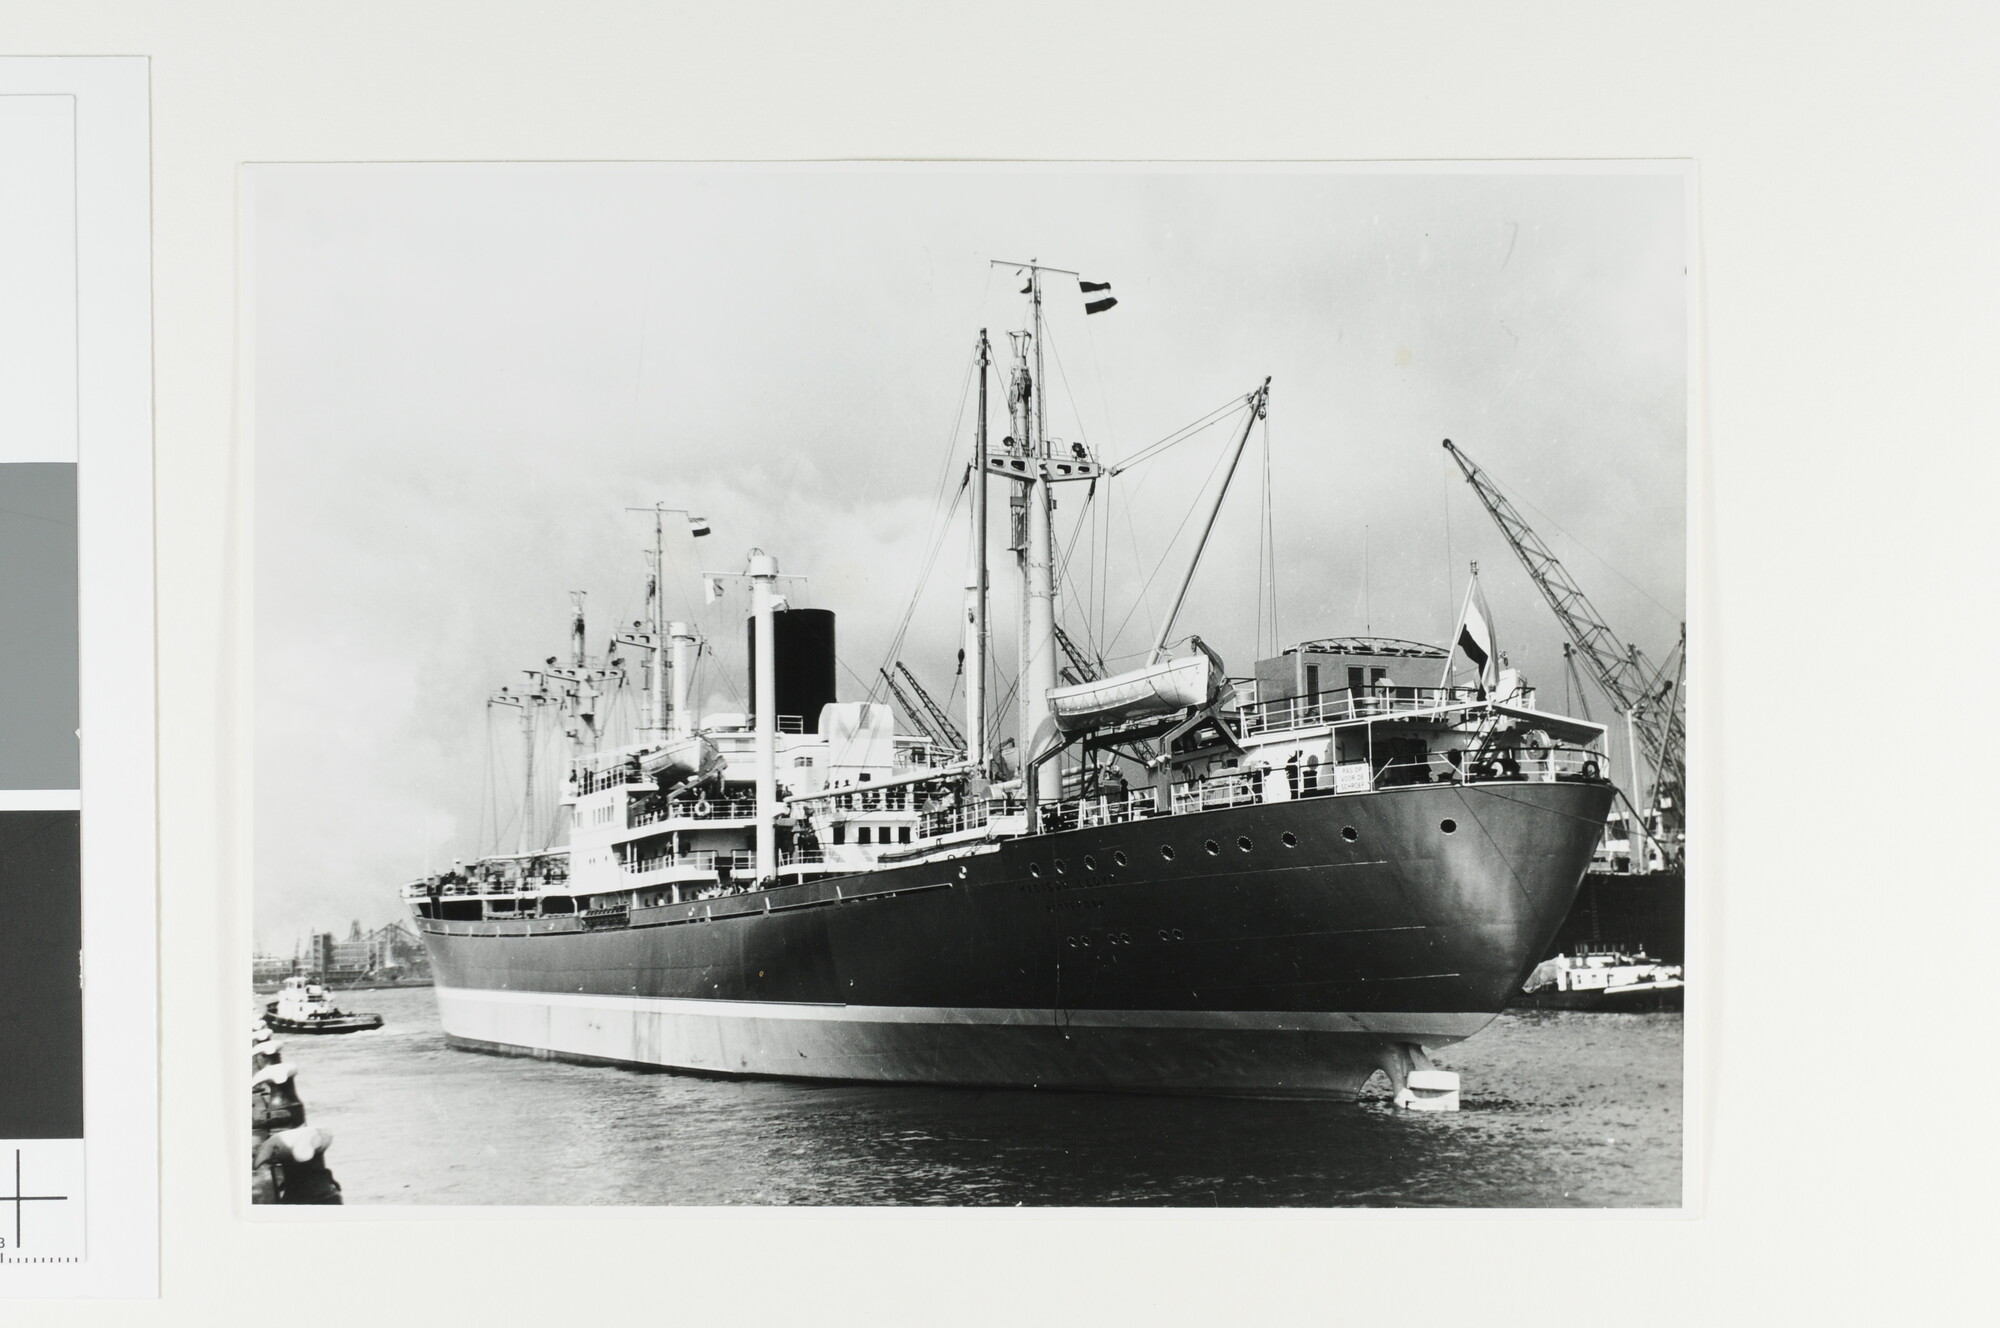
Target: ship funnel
column 803, row 641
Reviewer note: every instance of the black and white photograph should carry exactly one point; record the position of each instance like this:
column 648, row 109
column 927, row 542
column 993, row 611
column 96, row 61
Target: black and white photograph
column 969, row 685
column 907, row 664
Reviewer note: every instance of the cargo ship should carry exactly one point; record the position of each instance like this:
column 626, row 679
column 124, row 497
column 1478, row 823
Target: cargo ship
column 1274, row 885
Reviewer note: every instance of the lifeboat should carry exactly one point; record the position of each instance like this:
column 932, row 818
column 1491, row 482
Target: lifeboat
column 679, row 759
column 1163, row 688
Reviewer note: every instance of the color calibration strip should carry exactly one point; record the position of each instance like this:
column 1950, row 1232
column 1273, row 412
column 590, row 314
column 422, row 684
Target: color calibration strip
column 42, row 1182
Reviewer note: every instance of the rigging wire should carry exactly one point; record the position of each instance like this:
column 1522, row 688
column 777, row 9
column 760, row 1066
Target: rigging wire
column 940, row 526
column 489, row 819
column 1162, row 562
column 1450, row 599
column 1076, row 412
column 1517, row 496
column 923, row 578
column 1178, row 436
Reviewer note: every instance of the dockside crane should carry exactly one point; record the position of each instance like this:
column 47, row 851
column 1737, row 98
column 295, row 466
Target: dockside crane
column 1647, row 697
column 926, row 713
column 1080, row 667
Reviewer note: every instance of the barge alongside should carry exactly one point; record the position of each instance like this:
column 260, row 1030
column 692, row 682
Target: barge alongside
column 1269, row 886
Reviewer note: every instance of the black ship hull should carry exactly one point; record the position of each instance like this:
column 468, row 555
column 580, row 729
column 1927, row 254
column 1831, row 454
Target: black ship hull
column 1280, row 949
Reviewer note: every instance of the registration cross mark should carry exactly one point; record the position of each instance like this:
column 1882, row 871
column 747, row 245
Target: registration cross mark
column 17, row 1198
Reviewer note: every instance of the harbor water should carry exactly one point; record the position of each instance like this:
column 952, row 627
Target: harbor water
column 1559, row 1110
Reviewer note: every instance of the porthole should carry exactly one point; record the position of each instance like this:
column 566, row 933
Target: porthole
column 1350, row 834
column 1291, row 841
column 961, row 872
column 1211, row 846
column 1448, row 825
column 1119, row 857
column 1167, row 852
column 1034, row 869
column 1089, row 863
column 1061, row 870
column 1243, row 842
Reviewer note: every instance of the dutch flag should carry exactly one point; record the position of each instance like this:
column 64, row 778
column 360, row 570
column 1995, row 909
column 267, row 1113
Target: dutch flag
column 1474, row 639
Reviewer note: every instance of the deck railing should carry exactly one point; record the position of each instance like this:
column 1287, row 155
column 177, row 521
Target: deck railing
column 967, row 816
column 532, row 885
column 699, row 860
column 1245, row 787
column 896, row 799
column 1349, row 703
column 702, row 809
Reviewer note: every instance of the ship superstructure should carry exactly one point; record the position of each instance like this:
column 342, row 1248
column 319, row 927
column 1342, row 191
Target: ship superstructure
column 1274, row 884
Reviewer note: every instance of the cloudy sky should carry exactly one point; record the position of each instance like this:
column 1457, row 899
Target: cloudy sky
column 461, row 376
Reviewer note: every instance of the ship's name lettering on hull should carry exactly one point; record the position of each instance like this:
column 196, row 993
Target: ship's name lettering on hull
column 1062, row 886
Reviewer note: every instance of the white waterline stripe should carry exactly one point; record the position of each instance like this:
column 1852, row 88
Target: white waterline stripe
column 40, row 800
column 1407, row 1024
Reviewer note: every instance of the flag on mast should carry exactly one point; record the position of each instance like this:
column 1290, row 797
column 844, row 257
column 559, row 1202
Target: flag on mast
column 1096, row 306
column 1474, row 639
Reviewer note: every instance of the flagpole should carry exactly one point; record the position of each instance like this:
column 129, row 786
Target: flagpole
column 1457, row 630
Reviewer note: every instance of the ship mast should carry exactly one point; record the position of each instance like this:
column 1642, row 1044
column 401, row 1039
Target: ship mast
column 656, row 670
column 529, row 704
column 975, row 617
column 581, row 679
column 1035, row 545
column 653, row 636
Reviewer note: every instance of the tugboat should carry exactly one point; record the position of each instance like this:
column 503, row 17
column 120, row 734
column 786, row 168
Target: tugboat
column 1184, row 882
column 304, row 1007
column 1604, row 980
